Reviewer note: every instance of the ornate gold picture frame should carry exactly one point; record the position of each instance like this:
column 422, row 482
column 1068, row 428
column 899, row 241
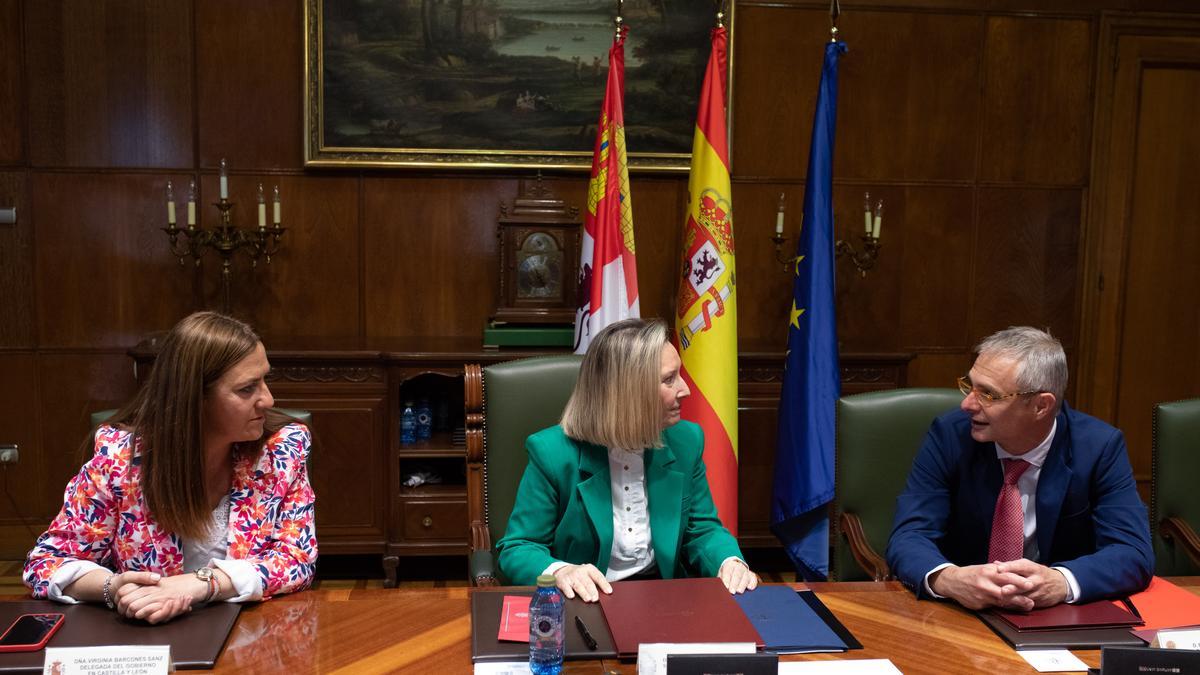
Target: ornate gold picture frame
column 498, row 83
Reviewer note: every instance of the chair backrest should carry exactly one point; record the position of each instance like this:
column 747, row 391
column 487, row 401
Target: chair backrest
column 303, row 416
column 520, row 397
column 1175, row 464
column 878, row 435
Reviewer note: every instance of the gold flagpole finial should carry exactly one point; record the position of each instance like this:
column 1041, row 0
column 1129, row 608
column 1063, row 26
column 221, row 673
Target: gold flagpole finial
column 720, row 13
column 619, row 21
column 835, row 10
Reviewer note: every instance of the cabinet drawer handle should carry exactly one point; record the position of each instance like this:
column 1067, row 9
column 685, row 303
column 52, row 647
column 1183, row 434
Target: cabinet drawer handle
column 427, row 521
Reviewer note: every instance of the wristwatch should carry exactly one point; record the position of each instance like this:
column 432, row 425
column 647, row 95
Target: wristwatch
column 205, row 574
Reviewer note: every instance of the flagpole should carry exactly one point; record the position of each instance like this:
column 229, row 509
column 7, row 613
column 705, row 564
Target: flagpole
column 619, row 20
column 835, row 11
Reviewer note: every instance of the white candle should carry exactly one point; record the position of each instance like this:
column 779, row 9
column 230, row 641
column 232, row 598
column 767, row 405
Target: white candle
column 192, row 204
column 275, row 208
column 779, row 223
column 170, row 203
column 262, row 208
column 878, row 223
column 224, row 180
column 867, row 213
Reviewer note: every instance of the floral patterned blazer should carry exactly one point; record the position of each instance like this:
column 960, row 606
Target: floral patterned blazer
column 105, row 519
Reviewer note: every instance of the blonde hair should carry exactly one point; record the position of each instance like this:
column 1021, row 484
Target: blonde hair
column 615, row 402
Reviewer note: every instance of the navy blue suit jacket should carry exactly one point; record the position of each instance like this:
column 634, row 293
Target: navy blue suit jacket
column 1090, row 518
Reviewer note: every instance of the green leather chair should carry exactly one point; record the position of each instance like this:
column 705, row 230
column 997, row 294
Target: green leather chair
column 1174, row 499
column 506, row 403
column 878, row 435
column 302, row 416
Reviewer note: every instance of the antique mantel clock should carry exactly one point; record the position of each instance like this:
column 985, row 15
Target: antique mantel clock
column 539, row 258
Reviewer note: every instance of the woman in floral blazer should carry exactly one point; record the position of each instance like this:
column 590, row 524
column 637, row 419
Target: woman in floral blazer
column 159, row 519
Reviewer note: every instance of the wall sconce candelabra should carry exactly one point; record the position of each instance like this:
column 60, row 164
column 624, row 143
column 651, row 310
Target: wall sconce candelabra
column 226, row 238
column 863, row 259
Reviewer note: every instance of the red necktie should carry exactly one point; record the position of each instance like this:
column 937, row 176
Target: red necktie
column 1008, row 523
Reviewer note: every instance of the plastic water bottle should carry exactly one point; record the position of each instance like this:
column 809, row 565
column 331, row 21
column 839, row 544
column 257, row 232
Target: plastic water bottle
column 408, row 425
column 546, row 628
column 424, row 420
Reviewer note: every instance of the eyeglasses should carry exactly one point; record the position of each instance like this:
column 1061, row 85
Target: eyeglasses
column 985, row 398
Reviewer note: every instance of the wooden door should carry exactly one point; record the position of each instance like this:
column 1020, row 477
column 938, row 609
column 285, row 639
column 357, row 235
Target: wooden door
column 1141, row 317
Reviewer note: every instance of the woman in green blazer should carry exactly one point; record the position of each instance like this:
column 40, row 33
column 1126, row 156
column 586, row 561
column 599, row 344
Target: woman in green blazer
column 618, row 489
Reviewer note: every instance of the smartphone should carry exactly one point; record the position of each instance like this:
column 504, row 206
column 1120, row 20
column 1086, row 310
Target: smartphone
column 30, row 632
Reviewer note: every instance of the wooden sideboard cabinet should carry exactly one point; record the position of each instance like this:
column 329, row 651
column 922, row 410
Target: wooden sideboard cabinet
column 356, row 391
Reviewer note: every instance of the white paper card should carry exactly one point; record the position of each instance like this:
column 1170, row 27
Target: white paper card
column 124, row 659
column 503, row 668
column 1053, row 660
column 847, row 667
column 652, row 657
column 1179, row 639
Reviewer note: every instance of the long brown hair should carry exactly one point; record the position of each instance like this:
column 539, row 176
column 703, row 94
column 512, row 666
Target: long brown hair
column 167, row 415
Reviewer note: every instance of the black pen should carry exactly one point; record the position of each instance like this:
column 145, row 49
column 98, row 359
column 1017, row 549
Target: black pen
column 587, row 637
column 1128, row 602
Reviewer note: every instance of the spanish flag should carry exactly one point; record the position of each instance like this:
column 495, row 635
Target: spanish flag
column 706, row 312
column 608, row 290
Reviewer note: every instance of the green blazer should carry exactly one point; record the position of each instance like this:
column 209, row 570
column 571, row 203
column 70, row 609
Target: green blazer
column 563, row 509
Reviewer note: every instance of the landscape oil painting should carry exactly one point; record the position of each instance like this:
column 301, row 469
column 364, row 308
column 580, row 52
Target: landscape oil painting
column 498, row 83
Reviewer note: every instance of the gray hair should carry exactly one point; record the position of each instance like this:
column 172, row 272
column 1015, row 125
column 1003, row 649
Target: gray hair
column 615, row 402
column 1041, row 362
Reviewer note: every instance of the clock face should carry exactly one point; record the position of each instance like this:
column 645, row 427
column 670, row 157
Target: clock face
column 539, row 268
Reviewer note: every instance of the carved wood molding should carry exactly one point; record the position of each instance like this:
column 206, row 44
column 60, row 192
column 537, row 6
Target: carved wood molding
column 851, row 373
column 353, row 374
column 868, row 374
column 761, row 374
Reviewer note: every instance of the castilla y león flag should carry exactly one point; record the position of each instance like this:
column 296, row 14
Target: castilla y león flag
column 608, row 290
column 706, row 313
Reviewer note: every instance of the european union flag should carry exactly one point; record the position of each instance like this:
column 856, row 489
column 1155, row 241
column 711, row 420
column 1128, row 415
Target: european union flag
column 804, row 481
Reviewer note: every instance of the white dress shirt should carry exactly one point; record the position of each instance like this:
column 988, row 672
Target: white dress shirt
column 1027, row 487
column 631, row 550
column 197, row 553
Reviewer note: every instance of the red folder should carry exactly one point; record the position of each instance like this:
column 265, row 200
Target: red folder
column 674, row 610
column 1098, row 614
column 1165, row 605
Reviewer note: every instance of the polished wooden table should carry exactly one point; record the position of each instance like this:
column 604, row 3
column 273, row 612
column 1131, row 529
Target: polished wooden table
column 429, row 631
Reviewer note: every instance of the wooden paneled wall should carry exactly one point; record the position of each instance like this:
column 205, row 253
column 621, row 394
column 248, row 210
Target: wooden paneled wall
column 971, row 118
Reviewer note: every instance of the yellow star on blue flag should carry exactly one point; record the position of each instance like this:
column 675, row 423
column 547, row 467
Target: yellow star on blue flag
column 795, row 314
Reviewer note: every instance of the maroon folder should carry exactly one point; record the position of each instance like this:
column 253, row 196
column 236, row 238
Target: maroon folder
column 1098, row 614
column 674, row 610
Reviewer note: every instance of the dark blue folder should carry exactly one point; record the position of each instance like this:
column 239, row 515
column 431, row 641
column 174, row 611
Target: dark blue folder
column 791, row 623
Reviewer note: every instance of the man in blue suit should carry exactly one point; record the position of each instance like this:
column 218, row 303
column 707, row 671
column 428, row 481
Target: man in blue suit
column 1080, row 533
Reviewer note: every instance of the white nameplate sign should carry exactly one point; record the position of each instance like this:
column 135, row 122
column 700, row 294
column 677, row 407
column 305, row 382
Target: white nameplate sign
column 127, row 660
column 652, row 657
column 1179, row 639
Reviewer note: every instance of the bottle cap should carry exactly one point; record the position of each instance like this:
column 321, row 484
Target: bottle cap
column 546, row 580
